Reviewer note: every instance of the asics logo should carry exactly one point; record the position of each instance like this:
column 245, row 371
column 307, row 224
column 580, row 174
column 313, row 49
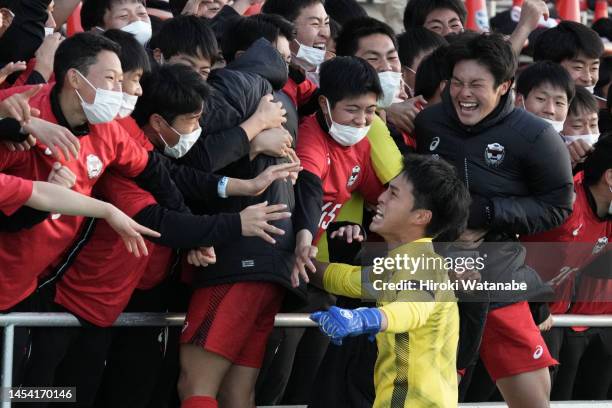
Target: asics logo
column 538, row 352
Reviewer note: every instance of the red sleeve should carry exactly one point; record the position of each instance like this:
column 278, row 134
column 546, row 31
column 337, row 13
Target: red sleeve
column 311, row 147
column 5, row 93
column 14, row 192
column 305, row 90
column 130, row 158
column 124, row 193
column 371, row 187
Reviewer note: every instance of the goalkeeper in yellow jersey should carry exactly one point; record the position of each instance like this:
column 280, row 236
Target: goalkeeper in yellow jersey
column 416, row 323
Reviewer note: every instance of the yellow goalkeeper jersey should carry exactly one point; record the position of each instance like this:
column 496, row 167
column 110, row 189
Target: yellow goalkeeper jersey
column 416, row 364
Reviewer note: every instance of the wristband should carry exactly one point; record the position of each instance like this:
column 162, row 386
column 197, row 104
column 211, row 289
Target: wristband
column 222, row 187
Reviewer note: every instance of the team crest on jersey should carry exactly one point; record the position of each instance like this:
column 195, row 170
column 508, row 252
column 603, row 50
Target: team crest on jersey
column 601, row 244
column 494, row 154
column 354, row 176
column 94, row 166
column 434, row 144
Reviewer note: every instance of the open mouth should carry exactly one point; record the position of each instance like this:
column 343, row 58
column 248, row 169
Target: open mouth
column 379, row 214
column 320, row 46
column 468, row 107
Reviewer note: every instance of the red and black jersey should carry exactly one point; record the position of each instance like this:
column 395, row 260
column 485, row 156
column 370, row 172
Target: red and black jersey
column 14, row 192
column 341, row 171
column 583, row 236
column 101, row 279
column 25, row 255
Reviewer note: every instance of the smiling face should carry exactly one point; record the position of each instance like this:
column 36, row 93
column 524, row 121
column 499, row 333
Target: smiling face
column 380, row 52
column 546, row 101
column 473, row 91
column 584, row 70
column 105, row 74
column 312, row 26
column 585, row 123
column 356, row 111
column 443, row 22
column 125, row 12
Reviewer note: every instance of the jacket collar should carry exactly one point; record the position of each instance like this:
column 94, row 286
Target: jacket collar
column 80, row 130
column 501, row 111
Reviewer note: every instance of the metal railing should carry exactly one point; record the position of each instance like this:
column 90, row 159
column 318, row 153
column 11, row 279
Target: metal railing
column 11, row 320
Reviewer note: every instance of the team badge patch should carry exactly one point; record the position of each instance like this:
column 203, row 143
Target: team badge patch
column 601, row 244
column 354, row 176
column 494, row 154
column 94, row 166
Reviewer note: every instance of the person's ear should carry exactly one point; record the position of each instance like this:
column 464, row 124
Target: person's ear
column 157, row 55
column 73, row 79
column 519, row 101
column 505, row 87
column 238, row 54
column 608, row 177
column 422, row 217
column 156, row 122
column 442, row 86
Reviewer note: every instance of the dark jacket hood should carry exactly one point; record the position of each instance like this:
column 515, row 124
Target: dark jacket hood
column 263, row 59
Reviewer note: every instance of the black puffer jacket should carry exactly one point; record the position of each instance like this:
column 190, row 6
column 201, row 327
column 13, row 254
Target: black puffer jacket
column 511, row 157
column 513, row 162
column 238, row 89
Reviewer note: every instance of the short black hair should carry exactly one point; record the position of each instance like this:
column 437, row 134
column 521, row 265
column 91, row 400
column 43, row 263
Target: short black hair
column 583, row 102
column 92, row 11
column 354, row 30
column 545, row 72
column 566, row 41
column 133, row 55
column 605, row 75
column 490, row 50
column 241, row 33
column 603, row 27
column 433, row 70
column 416, row 11
column 436, row 187
column 289, row 9
column 9, row 4
column 416, row 41
column 187, row 35
column 346, row 77
column 344, row 10
column 170, row 90
column 80, row 52
column 598, row 161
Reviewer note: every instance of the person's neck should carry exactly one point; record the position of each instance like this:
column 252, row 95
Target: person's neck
column 599, row 192
column 70, row 105
column 403, row 239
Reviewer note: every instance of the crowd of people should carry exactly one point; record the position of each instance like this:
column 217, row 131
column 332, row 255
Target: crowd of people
column 235, row 159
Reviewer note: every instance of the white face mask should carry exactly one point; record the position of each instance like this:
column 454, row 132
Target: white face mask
column 309, row 58
column 591, row 89
column 105, row 107
column 185, row 143
column 390, row 82
column 128, row 104
column 590, row 139
column 556, row 124
column 344, row 134
column 49, row 31
column 140, row 29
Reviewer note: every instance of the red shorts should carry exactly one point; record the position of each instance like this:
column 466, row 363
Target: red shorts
column 233, row 320
column 512, row 343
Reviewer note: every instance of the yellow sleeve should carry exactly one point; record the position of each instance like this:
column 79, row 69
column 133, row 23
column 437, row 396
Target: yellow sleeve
column 404, row 316
column 386, row 157
column 343, row 279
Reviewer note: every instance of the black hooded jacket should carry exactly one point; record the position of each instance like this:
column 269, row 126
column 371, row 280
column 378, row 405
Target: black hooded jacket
column 237, row 90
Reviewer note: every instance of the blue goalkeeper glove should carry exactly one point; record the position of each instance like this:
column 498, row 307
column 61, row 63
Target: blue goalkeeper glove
column 338, row 323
